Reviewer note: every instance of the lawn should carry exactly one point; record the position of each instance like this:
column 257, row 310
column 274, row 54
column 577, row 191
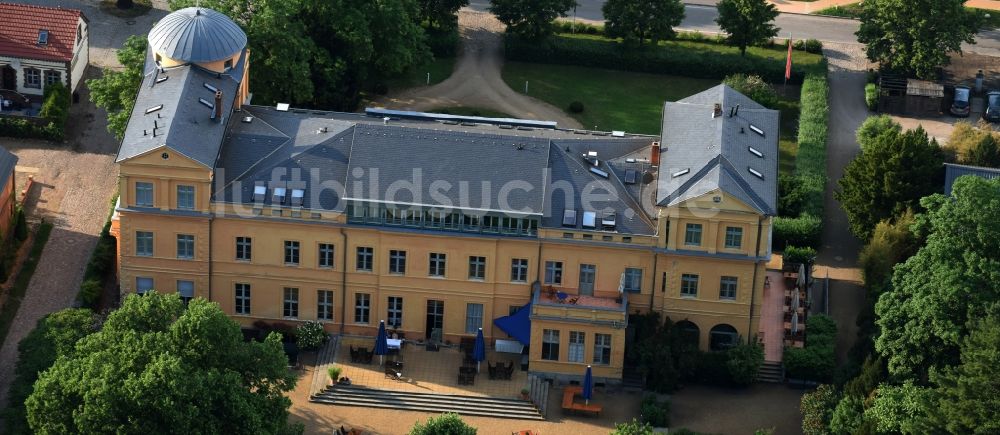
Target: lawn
column 632, row 102
column 439, row 68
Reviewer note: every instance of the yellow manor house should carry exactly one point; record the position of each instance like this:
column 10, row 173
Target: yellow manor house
column 441, row 224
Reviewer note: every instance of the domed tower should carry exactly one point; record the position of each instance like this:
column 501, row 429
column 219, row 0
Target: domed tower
column 197, row 36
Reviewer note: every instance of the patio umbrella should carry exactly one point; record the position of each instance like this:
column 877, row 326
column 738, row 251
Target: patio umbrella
column 588, row 386
column 801, row 283
column 479, row 349
column 795, row 300
column 795, row 323
column 381, row 345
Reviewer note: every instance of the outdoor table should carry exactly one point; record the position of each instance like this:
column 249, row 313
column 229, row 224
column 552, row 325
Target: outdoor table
column 394, row 343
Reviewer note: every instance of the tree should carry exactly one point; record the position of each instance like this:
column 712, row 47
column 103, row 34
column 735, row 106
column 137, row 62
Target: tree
column 817, row 409
column 915, row 37
column 891, row 243
column 874, row 126
column 115, row 90
column 634, row 427
column 444, row 424
column 441, row 14
column 636, row 21
column 967, row 400
column 950, row 280
column 747, row 22
column 892, row 172
column 754, row 87
column 530, row 19
column 848, row 416
column 900, row 409
column 156, row 367
column 744, row 363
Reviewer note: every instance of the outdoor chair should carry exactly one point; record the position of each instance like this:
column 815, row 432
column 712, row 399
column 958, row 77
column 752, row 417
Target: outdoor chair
column 366, row 356
column 393, row 374
column 492, row 370
column 355, row 355
column 465, row 378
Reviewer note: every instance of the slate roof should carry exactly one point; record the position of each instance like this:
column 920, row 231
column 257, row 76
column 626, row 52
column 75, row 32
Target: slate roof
column 7, row 163
column 953, row 171
column 197, row 35
column 701, row 153
column 20, row 25
column 183, row 123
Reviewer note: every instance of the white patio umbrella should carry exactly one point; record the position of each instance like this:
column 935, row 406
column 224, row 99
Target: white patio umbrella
column 795, row 323
column 801, row 283
column 795, row 300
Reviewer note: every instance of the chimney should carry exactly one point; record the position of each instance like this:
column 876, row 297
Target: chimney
column 218, row 106
column 717, row 112
column 654, row 155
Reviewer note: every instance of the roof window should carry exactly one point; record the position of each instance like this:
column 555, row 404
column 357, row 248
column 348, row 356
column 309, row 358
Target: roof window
column 757, row 130
column 755, row 152
column 569, row 218
column 206, row 103
column 589, row 219
column 43, row 36
column 154, row 109
column 680, row 172
column 755, row 173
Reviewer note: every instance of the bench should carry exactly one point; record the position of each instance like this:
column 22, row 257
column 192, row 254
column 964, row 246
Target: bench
column 569, row 403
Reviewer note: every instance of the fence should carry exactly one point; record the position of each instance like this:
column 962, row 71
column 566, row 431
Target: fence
column 539, row 393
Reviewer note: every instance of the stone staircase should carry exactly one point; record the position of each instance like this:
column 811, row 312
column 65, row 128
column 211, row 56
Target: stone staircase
column 426, row 402
column 632, row 380
column 771, row 372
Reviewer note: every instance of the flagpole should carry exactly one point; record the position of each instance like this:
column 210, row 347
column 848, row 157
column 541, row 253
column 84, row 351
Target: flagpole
column 788, row 65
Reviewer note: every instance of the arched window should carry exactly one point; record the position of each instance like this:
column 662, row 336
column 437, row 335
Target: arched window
column 723, row 337
column 690, row 332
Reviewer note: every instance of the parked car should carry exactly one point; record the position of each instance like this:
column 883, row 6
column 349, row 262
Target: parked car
column 992, row 112
column 960, row 106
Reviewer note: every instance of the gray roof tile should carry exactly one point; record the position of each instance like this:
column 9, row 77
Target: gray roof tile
column 953, row 171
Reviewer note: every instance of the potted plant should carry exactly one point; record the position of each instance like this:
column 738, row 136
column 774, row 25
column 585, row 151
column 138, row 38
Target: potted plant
column 524, row 393
column 334, row 373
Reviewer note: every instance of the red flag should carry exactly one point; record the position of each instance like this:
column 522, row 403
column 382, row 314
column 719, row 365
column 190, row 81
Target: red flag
column 788, row 62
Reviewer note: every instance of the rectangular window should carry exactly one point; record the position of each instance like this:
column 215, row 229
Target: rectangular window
column 325, row 255
column 185, row 246
column 242, row 298
column 602, row 349
column 32, row 78
column 734, row 237
column 553, row 272
column 576, row 340
column 588, row 274
column 397, row 262
column 143, row 284
column 519, row 270
column 395, row 312
column 366, row 256
column 550, row 344
column 186, row 291
column 52, row 76
column 144, row 243
column 185, row 197
column 477, row 267
column 473, row 318
column 244, row 246
column 689, row 285
column 143, row 194
column 633, row 280
column 291, row 308
column 692, row 235
column 437, row 264
column 362, row 307
column 291, row 252
column 727, row 287
column 324, row 305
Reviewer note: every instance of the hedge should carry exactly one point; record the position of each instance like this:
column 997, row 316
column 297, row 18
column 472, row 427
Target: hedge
column 100, row 265
column 53, row 114
column 815, row 361
column 871, row 96
column 682, row 60
column 804, row 231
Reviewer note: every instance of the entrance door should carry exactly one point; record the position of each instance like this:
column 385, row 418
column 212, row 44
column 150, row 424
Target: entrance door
column 8, row 77
column 587, row 273
column 435, row 320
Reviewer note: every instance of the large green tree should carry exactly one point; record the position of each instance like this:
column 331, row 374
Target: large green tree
column 915, row 37
column 747, row 22
column 530, row 19
column 893, row 171
column 441, row 14
column 115, row 90
column 967, row 399
column 953, row 279
column 158, row 367
column 638, row 21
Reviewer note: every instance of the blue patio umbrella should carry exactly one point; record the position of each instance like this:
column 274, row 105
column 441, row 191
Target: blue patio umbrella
column 479, row 349
column 381, row 345
column 588, row 386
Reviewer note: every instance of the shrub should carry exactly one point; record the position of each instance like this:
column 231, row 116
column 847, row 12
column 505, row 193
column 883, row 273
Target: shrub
column 55, row 105
column 754, row 87
column 796, row 255
column 813, row 46
column 871, row 96
column 444, row 424
column 20, row 225
column 655, row 412
column 443, row 43
column 310, row 335
column 791, row 195
column 562, row 26
column 633, row 427
column 817, row 408
column 334, row 373
column 683, row 60
column 576, row 107
column 711, row 368
column 743, row 363
column 809, row 363
column 891, row 243
column 803, row 231
column 90, row 292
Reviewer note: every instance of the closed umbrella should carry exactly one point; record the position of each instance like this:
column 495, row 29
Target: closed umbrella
column 801, row 283
column 381, row 343
column 795, row 323
column 479, row 349
column 588, row 386
column 796, row 300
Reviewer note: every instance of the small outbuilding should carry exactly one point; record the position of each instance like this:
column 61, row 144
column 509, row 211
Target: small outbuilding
column 902, row 96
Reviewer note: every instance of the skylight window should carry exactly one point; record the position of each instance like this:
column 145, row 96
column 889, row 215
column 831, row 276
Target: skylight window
column 207, row 103
column 211, row 88
column 154, row 108
column 756, row 173
column 680, row 172
column 756, row 129
column 161, row 79
column 599, row 172
column 43, row 37
column 755, row 152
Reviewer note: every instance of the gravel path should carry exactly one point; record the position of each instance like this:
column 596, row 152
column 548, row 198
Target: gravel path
column 476, row 81
column 74, row 184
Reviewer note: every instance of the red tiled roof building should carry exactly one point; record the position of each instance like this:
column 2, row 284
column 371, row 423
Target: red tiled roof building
column 41, row 45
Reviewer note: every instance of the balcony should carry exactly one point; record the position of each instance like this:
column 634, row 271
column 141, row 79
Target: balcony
column 557, row 305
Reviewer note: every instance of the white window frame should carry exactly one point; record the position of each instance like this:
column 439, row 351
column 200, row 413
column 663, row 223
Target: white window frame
column 185, row 246
column 602, row 347
column 728, row 286
column 736, row 235
column 394, row 311
column 241, row 296
column 182, row 290
column 324, row 305
column 365, row 258
column 144, row 239
column 686, row 280
column 692, row 234
column 519, row 270
column 292, row 252
column 139, row 280
column 362, row 308
column 550, row 344
column 477, row 268
column 325, row 255
column 144, row 189
column 188, row 195
column 553, row 272
column 633, row 280
column 290, row 303
column 244, row 248
column 397, row 262
column 473, row 317
column 577, row 344
column 437, row 264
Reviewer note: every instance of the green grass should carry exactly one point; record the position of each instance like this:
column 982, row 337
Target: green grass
column 788, row 145
column 440, row 69
column 612, row 100
column 21, row 283
column 470, row 111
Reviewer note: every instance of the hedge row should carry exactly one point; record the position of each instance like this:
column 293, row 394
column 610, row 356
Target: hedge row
column 55, row 110
column 101, row 264
column 682, row 60
column 816, row 361
column 570, row 27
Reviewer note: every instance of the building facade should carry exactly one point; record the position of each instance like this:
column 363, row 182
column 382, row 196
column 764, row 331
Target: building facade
column 437, row 224
column 39, row 46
